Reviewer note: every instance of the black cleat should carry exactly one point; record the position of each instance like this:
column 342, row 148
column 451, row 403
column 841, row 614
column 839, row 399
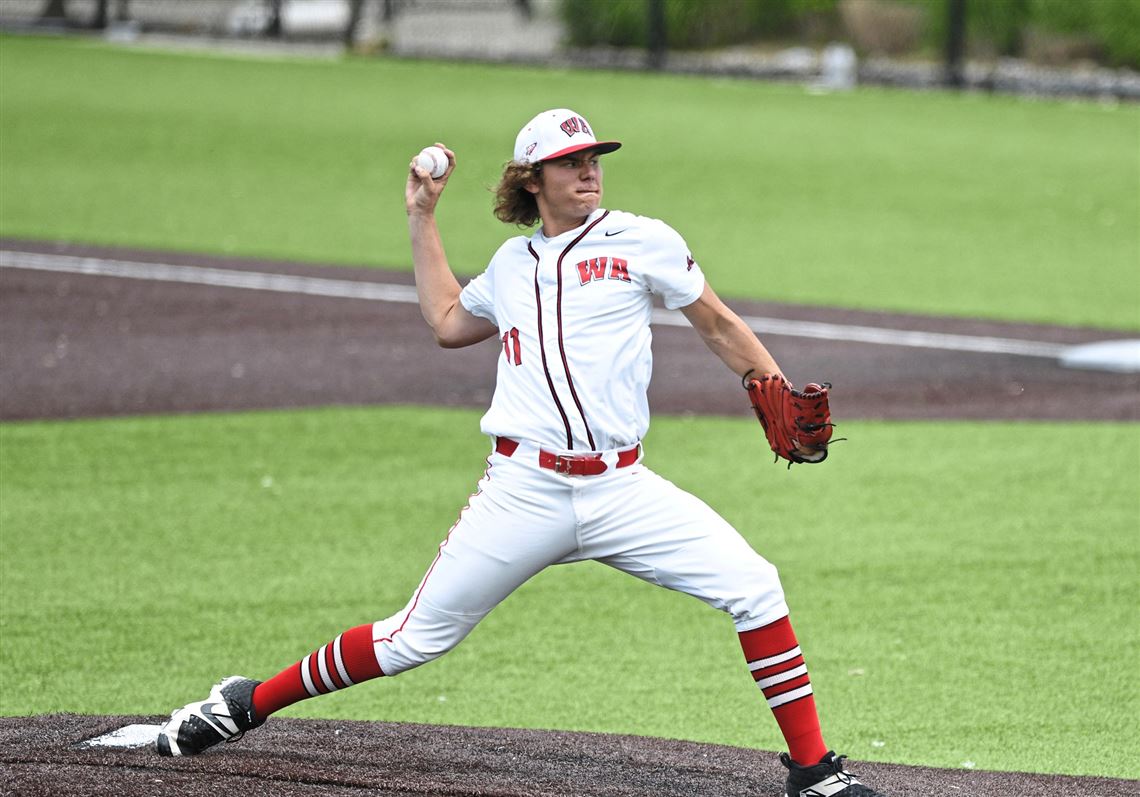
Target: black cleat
column 828, row 778
column 222, row 717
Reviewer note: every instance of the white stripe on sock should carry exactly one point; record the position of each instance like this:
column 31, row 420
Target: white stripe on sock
column 760, row 664
column 306, row 678
column 795, row 672
column 323, row 668
column 788, row 697
column 340, row 668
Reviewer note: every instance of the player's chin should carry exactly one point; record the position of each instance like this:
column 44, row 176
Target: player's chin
column 589, row 201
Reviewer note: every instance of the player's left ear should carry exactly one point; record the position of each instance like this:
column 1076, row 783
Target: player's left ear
column 534, row 185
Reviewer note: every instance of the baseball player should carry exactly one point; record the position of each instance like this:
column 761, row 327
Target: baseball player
column 565, row 481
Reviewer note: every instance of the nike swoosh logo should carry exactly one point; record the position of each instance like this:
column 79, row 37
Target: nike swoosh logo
column 616, row 232
column 223, row 723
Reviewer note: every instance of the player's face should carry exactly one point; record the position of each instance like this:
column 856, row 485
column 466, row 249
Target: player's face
column 570, row 187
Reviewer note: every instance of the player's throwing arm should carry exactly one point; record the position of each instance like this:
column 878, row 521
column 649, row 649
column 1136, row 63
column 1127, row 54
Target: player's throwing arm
column 436, row 285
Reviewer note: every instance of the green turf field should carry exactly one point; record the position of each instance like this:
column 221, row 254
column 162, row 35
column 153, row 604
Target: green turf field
column 959, row 205
column 974, row 602
column 965, row 592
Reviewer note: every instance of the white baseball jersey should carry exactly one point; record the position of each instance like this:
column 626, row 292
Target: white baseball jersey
column 573, row 313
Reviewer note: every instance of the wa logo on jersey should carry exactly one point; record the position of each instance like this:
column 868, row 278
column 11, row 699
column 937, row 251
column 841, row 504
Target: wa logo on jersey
column 596, row 267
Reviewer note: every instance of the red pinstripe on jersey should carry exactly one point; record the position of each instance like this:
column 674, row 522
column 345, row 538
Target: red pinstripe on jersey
column 542, row 351
column 561, row 342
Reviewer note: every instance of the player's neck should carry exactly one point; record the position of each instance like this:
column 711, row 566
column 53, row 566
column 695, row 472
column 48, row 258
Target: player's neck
column 554, row 226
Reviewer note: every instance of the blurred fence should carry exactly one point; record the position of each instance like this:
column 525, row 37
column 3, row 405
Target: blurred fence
column 215, row 18
column 484, row 29
column 551, row 32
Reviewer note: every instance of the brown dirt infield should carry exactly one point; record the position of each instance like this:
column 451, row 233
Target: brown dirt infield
column 295, row 758
column 81, row 346
column 84, row 346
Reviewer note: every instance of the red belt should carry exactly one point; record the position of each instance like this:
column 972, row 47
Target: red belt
column 571, row 464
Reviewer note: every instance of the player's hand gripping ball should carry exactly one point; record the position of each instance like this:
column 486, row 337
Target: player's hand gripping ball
column 797, row 423
column 434, row 160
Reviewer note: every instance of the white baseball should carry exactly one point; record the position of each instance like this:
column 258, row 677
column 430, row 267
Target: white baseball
column 434, row 160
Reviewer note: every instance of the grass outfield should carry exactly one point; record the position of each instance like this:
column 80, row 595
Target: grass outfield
column 957, row 205
column 965, row 592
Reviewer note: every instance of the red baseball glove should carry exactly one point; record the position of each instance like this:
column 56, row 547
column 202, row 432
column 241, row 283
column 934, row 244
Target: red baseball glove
column 796, row 423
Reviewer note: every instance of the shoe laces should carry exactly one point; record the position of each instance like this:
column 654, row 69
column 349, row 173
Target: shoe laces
column 834, row 764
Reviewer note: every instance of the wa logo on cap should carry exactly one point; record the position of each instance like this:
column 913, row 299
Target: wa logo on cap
column 576, row 124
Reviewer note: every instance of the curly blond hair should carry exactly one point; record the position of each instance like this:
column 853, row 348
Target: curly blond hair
column 513, row 203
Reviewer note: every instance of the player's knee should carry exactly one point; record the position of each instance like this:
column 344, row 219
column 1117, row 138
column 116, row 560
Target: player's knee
column 406, row 642
column 760, row 596
column 403, row 652
column 399, row 656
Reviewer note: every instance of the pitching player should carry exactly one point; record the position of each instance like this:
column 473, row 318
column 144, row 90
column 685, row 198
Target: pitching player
column 565, row 482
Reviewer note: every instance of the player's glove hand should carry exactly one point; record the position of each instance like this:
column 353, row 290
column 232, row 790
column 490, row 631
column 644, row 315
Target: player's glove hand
column 797, row 423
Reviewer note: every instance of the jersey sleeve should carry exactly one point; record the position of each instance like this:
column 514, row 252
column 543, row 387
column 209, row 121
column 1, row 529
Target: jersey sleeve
column 478, row 296
column 673, row 274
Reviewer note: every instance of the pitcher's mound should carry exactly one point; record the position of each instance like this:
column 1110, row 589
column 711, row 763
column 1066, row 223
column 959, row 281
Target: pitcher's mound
column 52, row 755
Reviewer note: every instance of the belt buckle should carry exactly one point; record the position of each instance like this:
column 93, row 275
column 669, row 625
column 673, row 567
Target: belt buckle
column 563, row 464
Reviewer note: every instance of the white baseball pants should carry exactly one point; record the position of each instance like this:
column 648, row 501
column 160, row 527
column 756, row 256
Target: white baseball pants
column 524, row 518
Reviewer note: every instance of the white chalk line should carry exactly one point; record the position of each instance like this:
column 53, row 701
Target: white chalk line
column 218, row 277
column 385, row 292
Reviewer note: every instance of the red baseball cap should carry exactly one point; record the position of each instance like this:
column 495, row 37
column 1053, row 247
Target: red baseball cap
column 556, row 134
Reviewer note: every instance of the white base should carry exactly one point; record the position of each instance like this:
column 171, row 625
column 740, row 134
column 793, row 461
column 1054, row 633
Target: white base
column 128, row 736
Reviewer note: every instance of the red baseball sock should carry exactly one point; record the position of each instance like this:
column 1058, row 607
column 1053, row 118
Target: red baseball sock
column 347, row 660
column 778, row 666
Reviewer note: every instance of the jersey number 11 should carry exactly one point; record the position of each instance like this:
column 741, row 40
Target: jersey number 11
column 511, row 340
